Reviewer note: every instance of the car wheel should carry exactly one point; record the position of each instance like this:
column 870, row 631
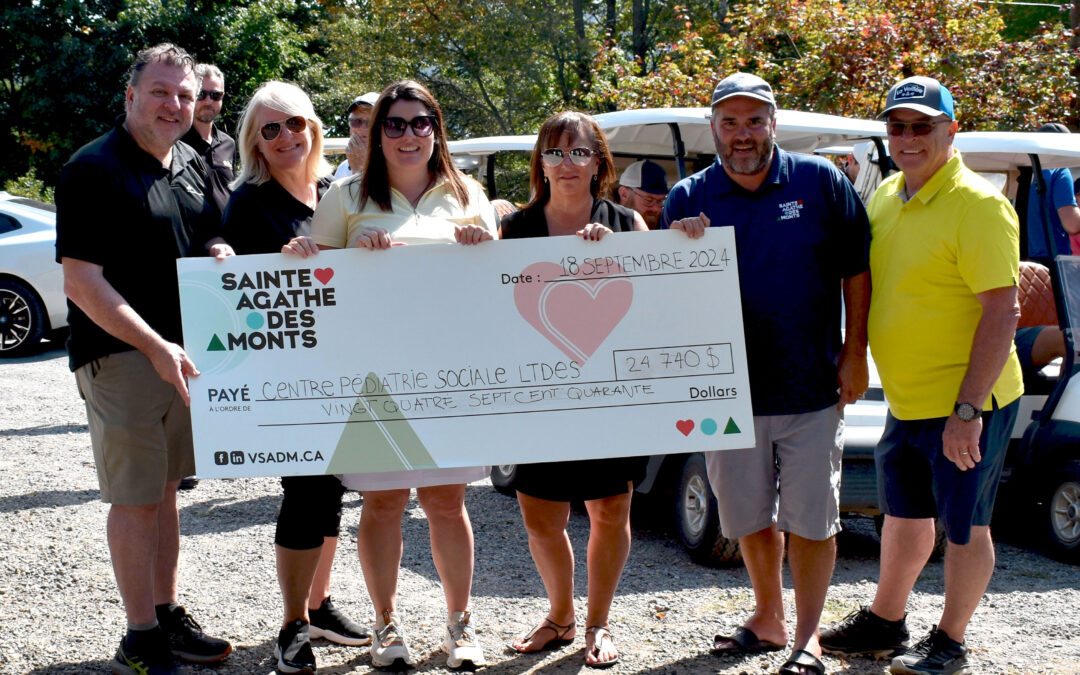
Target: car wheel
column 698, row 520
column 502, row 475
column 22, row 318
column 1062, row 512
column 941, row 540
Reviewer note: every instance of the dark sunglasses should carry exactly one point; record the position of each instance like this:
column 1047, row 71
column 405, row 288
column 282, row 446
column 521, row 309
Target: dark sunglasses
column 295, row 125
column 214, row 95
column 553, row 157
column 359, row 122
column 917, row 128
column 422, row 125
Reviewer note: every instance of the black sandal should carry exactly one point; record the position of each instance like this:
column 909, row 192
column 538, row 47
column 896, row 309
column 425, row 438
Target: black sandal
column 802, row 662
column 558, row 630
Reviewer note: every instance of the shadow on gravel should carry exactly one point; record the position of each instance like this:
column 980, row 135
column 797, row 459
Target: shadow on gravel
column 215, row 516
column 96, row 666
column 55, row 429
column 46, row 498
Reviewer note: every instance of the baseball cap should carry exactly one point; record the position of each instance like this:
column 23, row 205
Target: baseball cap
column 368, row 99
column 921, row 94
column 646, row 176
column 743, row 84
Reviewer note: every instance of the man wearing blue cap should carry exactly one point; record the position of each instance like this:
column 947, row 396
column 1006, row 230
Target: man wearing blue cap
column 801, row 233
column 944, row 262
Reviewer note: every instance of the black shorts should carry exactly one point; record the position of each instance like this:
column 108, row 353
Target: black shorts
column 916, row 480
column 310, row 511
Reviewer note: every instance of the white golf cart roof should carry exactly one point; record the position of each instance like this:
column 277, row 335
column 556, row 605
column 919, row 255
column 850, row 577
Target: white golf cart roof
column 652, row 133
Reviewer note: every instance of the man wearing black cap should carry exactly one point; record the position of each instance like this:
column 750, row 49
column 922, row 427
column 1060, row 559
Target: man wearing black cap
column 944, row 262
column 359, row 113
column 643, row 187
column 801, row 234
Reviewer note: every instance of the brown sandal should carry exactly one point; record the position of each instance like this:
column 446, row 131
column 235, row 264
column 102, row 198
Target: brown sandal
column 599, row 634
column 559, row 640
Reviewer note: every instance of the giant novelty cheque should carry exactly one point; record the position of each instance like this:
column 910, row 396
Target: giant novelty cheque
column 506, row 352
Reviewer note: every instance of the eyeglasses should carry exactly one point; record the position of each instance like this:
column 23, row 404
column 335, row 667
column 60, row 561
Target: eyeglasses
column 360, row 122
column 917, row 128
column 647, row 199
column 295, row 125
column 214, row 95
column 422, row 125
column 553, row 157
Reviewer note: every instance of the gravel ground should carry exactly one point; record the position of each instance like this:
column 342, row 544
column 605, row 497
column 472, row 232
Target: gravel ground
column 60, row 612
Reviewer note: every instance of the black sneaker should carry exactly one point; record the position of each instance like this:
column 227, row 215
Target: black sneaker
column 143, row 653
column 935, row 654
column 863, row 633
column 188, row 483
column 328, row 622
column 187, row 639
column 293, row 649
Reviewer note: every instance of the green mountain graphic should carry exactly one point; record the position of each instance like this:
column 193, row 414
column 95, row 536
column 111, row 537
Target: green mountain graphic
column 731, row 427
column 215, row 345
column 374, row 440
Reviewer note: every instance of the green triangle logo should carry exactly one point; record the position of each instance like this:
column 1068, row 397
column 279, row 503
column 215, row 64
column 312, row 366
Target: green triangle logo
column 731, row 427
column 215, row 345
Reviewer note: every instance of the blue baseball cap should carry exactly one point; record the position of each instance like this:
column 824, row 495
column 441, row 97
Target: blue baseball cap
column 921, row 94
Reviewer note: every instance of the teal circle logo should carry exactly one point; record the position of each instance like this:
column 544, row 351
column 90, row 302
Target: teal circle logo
column 708, row 426
column 255, row 322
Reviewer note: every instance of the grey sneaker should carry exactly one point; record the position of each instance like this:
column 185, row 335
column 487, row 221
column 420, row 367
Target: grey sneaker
column 863, row 633
column 389, row 650
column 460, row 644
column 293, row 649
column 935, row 654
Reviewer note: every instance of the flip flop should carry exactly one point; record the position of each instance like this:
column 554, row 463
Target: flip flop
column 599, row 634
column 742, row 641
column 557, row 630
column 802, row 662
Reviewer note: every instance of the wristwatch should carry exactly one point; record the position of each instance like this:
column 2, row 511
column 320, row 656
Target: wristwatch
column 966, row 412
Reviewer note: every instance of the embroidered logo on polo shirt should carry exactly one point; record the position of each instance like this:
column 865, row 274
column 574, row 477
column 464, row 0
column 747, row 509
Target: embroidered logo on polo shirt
column 789, row 210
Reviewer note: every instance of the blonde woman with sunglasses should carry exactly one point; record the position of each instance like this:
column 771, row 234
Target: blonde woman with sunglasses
column 409, row 193
column 284, row 175
column 571, row 167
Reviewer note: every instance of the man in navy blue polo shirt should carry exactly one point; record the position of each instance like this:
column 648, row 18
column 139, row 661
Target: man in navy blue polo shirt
column 802, row 235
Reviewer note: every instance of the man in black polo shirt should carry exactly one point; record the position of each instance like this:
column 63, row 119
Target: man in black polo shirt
column 119, row 260
column 216, row 147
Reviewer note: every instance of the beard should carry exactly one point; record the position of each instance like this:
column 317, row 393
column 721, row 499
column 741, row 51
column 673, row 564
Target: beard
column 751, row 165
column 205, row 115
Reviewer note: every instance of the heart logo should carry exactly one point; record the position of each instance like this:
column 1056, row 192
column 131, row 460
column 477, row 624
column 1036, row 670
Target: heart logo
column 324, row 274
column 685, row 426
column 575, row 314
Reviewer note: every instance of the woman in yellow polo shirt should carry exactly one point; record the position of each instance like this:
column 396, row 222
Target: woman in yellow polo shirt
column 409, row 193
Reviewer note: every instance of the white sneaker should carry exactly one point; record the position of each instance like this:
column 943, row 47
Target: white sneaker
column 459, row 642
column 388, row 649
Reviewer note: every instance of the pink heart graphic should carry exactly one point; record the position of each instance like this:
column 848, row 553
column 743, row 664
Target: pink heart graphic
column 575, row 314
column 324, row 274
column 685, row 426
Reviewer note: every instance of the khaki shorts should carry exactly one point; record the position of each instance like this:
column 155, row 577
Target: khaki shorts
column 139, row 427
column 791, row 478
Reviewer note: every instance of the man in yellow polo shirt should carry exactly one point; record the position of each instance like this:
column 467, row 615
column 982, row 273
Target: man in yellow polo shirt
column 943, row 261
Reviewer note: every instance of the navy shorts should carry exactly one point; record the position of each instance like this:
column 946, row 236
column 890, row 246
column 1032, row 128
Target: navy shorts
column 916, row 480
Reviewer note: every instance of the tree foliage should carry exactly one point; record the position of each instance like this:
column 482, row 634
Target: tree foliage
column 502, row 66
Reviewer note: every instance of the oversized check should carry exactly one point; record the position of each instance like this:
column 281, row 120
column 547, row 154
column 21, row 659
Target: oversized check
column 507, row 352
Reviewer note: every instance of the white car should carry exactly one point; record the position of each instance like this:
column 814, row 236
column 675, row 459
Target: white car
column 32, row 302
